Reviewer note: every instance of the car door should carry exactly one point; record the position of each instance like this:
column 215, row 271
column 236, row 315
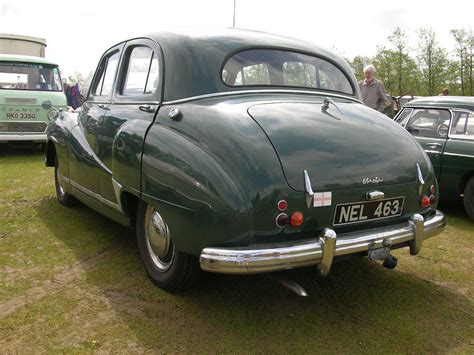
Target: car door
column 458, row 156
column 430, row 128
column 136, row 100
column 85, row 165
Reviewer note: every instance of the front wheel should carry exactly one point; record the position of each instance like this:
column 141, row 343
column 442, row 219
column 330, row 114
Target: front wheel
column 167, row 267
column 469, row 198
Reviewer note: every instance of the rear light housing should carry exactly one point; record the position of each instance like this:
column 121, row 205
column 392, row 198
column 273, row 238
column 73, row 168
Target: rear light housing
column 281, row 220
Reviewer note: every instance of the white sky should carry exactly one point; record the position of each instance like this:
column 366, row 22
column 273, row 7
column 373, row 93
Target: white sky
column 77, row 32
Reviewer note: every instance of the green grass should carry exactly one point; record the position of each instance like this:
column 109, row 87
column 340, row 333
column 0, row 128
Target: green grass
column 72, row 281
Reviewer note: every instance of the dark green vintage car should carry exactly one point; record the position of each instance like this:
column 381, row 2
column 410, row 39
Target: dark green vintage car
column 241, row 152
column 444, row 126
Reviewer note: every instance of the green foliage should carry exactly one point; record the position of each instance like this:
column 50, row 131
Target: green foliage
column 464, row 58
column 425, row 70
column 357, row 64
column 433, row 62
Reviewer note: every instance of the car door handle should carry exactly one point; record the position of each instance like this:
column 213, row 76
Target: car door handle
column 103, row 106
column 146, row 108
column 434, row 145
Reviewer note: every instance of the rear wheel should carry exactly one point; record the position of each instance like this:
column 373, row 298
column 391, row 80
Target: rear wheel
column 167, row 267
column 63, row 197
column 469, row 198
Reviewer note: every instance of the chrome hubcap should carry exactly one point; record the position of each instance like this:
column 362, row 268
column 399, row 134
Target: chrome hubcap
column 158, row 240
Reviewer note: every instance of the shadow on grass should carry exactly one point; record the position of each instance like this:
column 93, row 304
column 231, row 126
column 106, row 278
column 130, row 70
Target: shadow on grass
column 360, row 307
column 456, row 210
column 27, row 149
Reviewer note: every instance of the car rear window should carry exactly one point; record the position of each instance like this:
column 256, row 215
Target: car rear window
column 281, row 68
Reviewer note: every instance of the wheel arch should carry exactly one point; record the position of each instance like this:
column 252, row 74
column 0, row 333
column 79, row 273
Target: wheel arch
column 50, row 154
column 464, row 179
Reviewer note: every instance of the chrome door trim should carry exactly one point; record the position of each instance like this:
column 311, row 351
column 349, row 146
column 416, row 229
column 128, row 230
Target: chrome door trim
column 96, row 196
column 260, row 91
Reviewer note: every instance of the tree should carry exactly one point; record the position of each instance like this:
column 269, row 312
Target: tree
column 383, row 62
column 398, row 39
column 433, row 61
column 358, row 64
column 395, row 67
column 470, row 60
column 462, row 44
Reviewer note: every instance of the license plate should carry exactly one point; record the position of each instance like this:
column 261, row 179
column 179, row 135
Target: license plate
column 20, row 115
column 368, row 210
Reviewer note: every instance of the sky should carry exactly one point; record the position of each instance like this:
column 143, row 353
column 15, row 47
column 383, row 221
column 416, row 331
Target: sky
column 78, row 32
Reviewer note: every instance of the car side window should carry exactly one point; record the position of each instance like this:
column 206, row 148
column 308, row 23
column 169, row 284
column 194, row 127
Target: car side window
column 141, row 76
column 463, row 124
column 470, row 125
column 107, row 70
column 432, row 123
column 404, row 116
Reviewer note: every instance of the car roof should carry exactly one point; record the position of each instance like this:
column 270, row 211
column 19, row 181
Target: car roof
column 194, row 57
column 25, row 59
column 465, row 102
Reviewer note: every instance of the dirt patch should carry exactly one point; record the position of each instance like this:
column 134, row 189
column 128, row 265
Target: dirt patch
column 60, row 280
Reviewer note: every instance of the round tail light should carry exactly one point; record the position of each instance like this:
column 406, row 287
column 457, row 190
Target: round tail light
column 282, row 220
column 296, row 219
column 425, row 202
column 282, row 205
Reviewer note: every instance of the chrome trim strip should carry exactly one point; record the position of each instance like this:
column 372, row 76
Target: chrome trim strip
column 96, row 196
column 464, row 137
column 261, row 91
column 65, row 179
column 308, row 188
column 459, row 155
column 421, row 180
column 117, row 191
column 281, row 256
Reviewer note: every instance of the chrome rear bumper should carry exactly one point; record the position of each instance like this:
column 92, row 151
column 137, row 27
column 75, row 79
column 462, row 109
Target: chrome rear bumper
column 321, row 250
column 35, row 137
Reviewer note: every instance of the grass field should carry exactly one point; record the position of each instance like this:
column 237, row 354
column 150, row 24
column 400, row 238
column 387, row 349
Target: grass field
column 72, row 280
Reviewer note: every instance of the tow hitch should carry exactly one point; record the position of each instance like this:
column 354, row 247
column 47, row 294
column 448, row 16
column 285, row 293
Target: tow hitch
column 383, row 253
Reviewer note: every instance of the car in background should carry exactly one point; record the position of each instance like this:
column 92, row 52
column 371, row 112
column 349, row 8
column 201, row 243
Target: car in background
column 25, row 83
column 241, row 152
column 444, row 126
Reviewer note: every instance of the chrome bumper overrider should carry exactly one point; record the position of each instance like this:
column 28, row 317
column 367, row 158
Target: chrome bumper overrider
column 321, row 250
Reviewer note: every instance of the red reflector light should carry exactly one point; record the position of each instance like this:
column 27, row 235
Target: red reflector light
column 296, row 219
column 282, row 205
column 425, row 202
column 281, row 220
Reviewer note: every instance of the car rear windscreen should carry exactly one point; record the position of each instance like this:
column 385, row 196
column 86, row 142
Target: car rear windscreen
column 282, row 68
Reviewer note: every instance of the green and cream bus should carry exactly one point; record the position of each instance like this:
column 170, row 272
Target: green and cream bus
column 25, row 83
